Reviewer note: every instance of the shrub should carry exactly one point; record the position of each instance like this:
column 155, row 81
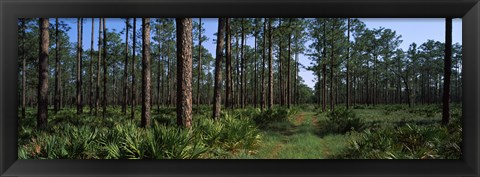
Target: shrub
column 344, row 120
column 406, row 142
column 268, row 117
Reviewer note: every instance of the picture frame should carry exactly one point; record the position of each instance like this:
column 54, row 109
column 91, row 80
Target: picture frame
column 468, row 10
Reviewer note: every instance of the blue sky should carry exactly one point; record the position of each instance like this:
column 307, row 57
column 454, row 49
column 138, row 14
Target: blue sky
column 416, row 30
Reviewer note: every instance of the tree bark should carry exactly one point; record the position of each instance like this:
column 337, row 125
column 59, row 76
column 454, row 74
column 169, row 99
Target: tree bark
column 218, row 70
column 104, row 68
column 125, row 71
column 332, row 104
column 270, row 67
column 348, row 63
column 56, row 103
column 184, row 72
column 264, row 58
column 447, row 71
column 134, row 90
column 90, row 93
column 228, row 67
column 79, row 66
column 42, row 112
column 97, row 98
column 146, row 77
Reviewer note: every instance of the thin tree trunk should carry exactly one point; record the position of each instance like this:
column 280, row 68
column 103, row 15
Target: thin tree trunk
column 348, row 63
column 184, row 71
column 264, row 58
column 56, row 103
column 134, row 90
column 331, row 67
column 255, row 72
column 447, row 71
column 146, row 77
column 42, row 112
column 79, row 66
column 242, row 69
column 218, row 70
column 289, row 97
column 104, row 68
column 228, row 67
column 125, row 70
column 270, row 67
column 24, row 67
column 97, row 98
column 90, row 96
column 199, row 77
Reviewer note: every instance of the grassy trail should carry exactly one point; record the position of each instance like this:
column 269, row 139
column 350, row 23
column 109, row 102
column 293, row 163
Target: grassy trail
column 299, row 139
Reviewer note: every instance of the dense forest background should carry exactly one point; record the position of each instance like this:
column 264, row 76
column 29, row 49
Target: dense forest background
column 142, row 71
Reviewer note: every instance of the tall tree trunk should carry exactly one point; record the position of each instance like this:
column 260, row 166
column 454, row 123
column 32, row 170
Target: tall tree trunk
column 24, row 68
column 104, row 68
column 79, row 66
column 348, row 63
column 324, row 67
column 228, row 67
column 159, row 72
column 42, row 112
column 146, row 77
column 255, row 101
column 331, row 67
column 447, row 71
column 199, row 77
column 218, row 70
column 280, row 66
column 242, row 69
column 125, row 71
column 270, row 67
column 134, row 90
column 237, row 73
column 56, row 103
column 90, row 93
column 264, row 58
column 184, row 71
column 289, row 97
column 97, row 98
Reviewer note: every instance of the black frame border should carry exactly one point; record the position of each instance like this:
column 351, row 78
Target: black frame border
column 11, row 10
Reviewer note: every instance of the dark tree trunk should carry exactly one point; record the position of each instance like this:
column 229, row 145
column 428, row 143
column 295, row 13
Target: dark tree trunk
column 184, row 72
column 159, row 72
column 199, row 77
column 218, row 70
column 289, row 97
column 146, row 77
column 228, row 67
column 264, row 58
column 134, row 90
column 97, row 97
column 331, row 67
column 42, row 112
column 90, row 93
column 255, row 101
column 324, row 68
column 56, row 103
column 104, row 101
column 348, row 63
column 125, row 71
column 270, row 67
column 242, row 69
column 24, row 68
column 447, row 71
column 79, row 66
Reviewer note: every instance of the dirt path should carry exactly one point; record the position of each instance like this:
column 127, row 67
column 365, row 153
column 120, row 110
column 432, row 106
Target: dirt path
column 299, row 119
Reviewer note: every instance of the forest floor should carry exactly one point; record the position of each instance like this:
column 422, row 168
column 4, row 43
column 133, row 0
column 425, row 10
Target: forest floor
column 299, row 138
column 302, row 132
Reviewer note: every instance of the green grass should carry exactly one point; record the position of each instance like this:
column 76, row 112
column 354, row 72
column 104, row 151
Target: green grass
column 302, row 132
